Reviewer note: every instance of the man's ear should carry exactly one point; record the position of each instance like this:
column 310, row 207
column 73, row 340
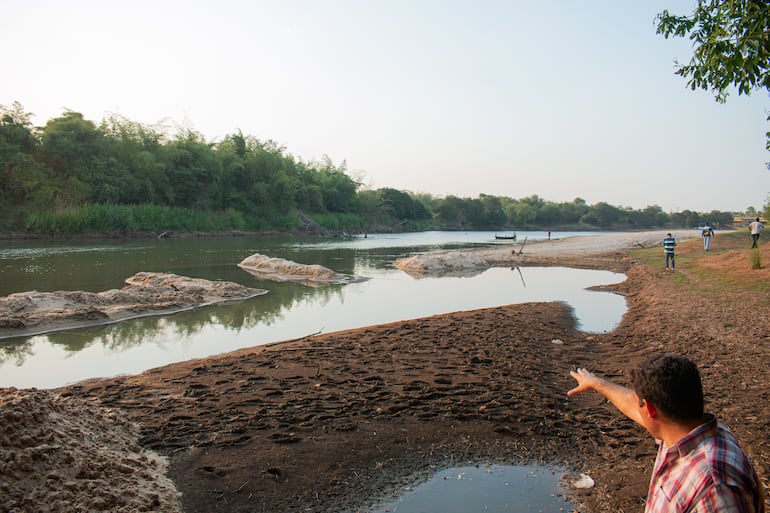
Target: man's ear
column 650, row 409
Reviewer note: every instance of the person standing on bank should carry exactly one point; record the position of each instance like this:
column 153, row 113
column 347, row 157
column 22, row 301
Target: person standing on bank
column 700, row 467
column 706, row 233
column 755, row 228
column 669, row 243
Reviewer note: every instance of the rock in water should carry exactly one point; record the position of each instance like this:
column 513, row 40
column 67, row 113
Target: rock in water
column 279, row 269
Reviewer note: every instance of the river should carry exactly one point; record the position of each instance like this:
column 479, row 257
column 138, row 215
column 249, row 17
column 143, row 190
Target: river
column 288, row 311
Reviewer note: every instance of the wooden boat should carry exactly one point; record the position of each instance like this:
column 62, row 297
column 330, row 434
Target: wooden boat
column 505, row 237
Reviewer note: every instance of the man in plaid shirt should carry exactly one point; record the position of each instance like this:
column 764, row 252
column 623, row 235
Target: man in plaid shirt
column 700, row 466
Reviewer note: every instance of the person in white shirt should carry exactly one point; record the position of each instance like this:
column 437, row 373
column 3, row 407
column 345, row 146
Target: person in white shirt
column 754, row 228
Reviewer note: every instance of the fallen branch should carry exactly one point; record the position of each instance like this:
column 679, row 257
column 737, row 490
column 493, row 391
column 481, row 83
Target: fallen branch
column 294, row 339
column 522, row 246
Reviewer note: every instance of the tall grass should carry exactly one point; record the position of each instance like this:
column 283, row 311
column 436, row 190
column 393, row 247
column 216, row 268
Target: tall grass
column 124, row 219
column 755, row 259
column 101, row 218
column 110, row 219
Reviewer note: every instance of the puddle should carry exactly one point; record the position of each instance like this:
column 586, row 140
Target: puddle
column 487, row 488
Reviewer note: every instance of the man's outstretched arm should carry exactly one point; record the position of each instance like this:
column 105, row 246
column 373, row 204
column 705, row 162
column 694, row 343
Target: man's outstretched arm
column 622, row 397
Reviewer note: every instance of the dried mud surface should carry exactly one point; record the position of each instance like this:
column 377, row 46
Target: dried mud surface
column 331, row 422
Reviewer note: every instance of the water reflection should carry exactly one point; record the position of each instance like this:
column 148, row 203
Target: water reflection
column 290, row 311
column 96, row 266
column 489, row 488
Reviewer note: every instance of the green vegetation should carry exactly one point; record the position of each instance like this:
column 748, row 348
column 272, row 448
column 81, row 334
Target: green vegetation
column 755, row 259
column 729, row 267
column 731, row 46
column 73, row 176
column 99, row 218
column 684, row 259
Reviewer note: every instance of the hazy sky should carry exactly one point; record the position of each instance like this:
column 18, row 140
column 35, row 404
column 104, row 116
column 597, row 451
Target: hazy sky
column 504, row 97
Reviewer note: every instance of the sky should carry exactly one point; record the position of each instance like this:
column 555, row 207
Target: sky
column 559, row 99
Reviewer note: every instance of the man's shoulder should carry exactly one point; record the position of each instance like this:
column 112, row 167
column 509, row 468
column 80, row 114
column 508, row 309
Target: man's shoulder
column 713, row 468
column 720, row 456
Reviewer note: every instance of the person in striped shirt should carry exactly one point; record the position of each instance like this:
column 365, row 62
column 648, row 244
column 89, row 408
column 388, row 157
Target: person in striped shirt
column 700, row 467
column 669, row 243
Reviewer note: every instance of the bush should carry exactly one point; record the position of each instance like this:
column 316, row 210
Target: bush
column 755, row 259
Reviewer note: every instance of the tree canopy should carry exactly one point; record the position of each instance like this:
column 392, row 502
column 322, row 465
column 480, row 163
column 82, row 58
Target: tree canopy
column 75, row 176
column 731, row 41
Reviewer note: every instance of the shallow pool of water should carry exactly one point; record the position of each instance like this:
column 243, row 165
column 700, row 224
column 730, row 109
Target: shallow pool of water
column 486, row 488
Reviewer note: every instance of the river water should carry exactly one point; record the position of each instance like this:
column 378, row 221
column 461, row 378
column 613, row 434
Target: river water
column 288, row 311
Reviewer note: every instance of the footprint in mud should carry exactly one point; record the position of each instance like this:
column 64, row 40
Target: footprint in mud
column 211, row 472
column 275, row 473
column 343, row 425
column 426, row 414
column 416, row 386
column 284, row 438
column 394, row 409
column 232, row 441
column 196, row 390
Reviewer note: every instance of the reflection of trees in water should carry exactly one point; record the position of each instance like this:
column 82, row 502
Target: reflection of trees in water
column 125, row 335
column 238, row 315
column 214, row 258
column 270, row 308
column 16, row 353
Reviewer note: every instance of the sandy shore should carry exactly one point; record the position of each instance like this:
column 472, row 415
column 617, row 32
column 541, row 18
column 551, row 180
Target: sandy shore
column 599, row 244
column 577, row 251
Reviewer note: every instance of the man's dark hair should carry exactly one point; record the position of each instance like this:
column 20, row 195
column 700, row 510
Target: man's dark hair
column 672, row 384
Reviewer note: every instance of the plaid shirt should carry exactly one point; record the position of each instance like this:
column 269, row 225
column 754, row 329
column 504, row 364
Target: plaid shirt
column 704, row 472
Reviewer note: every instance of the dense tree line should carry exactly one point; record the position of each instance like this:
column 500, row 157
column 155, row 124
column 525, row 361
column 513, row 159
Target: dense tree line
column 72, row 176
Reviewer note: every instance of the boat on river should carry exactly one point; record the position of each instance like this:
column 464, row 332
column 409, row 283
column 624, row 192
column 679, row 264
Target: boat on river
column 505, row 237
